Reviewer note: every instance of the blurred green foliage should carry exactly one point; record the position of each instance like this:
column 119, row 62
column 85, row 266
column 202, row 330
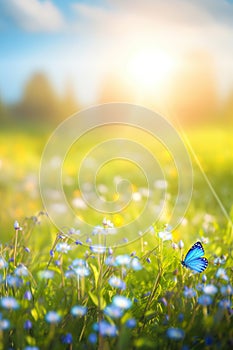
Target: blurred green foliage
column 41, row 103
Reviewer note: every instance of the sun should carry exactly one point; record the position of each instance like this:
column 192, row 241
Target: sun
column 149, row 69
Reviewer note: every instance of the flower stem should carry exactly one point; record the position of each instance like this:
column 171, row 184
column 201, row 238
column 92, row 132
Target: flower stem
column 15, row 247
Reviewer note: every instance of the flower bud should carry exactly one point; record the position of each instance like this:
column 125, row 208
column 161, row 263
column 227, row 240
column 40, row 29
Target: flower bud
column 16, row 225
column 181, row 244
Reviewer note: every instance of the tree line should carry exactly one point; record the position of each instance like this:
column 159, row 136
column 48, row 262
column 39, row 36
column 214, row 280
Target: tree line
column 40, row 102
column 192, row 96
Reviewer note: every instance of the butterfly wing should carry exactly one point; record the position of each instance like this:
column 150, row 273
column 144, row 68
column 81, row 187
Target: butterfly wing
column 198, row 264
column 194, row 259
column 196, row 251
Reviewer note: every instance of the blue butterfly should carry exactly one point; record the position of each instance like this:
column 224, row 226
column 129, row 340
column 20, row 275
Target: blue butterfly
column 194, row 259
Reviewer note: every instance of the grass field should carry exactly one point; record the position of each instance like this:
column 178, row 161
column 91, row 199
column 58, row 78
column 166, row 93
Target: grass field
column 59, row 291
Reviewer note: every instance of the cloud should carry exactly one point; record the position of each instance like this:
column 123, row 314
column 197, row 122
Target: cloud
column 34, row 16
column 179, row 11
column 126, row 16
column 118, row 28
column 178, row 23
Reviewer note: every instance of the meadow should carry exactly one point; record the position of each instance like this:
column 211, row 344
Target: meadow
column 61, row 290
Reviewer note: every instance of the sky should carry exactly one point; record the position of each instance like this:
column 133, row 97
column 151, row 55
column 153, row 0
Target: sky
column 85, row 41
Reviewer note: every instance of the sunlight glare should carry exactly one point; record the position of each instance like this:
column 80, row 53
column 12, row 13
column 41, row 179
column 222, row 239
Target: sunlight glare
column 148, row 69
